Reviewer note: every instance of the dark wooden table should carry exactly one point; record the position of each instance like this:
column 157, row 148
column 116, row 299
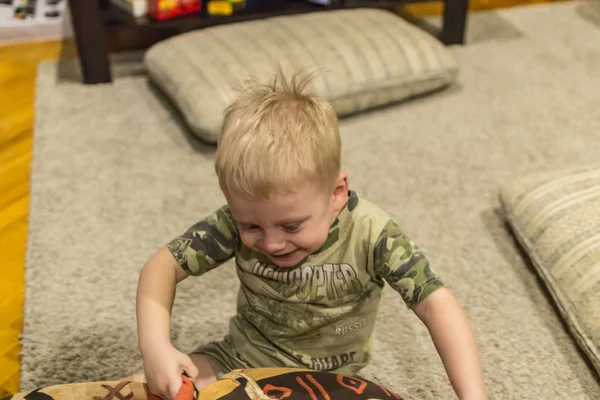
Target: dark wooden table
column 94, row 19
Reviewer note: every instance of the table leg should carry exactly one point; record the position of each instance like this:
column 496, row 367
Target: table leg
column 455, row 21
column 90, row 36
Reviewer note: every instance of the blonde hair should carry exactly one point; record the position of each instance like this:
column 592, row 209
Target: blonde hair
column 276, row 137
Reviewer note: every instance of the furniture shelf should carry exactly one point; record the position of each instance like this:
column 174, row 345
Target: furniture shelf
column 255, row 9
column 92, row 19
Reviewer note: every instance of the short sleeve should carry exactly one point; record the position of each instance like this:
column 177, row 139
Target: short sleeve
column 404, row 266
column 208, row 243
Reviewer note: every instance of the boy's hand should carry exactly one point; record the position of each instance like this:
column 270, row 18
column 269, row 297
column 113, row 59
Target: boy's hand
column 163, row 366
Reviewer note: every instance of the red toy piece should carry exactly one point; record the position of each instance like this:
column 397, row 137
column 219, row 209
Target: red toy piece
column 165, row 9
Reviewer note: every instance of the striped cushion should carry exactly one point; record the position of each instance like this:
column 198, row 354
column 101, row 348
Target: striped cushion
column 368, row 58
column 556, row 217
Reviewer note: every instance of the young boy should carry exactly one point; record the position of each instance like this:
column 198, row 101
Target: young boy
column 311, row 255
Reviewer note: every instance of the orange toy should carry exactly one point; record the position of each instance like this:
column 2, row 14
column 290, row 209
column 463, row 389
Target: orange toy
column 187, row 391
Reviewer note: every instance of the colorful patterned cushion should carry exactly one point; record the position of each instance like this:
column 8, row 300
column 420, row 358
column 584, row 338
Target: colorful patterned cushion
column 556, row 218
column 111, row 390
column 251, row 384
column 366, row 58
column 293, row 384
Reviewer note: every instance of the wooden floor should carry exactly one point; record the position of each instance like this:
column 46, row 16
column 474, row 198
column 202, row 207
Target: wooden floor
column 436, row 8
column 18, row 64
column 17, row 83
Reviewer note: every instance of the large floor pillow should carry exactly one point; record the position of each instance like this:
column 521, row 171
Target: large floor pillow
column 556, row 218
column 251, row 384
column 364, row 58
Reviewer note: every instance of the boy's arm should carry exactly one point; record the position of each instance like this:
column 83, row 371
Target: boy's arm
column 406, row 269
column 202, row 247
column 156, row 292
column 454, row 340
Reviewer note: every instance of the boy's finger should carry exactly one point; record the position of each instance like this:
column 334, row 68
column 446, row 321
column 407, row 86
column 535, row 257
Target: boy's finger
column 174, row 388
column 190, row 368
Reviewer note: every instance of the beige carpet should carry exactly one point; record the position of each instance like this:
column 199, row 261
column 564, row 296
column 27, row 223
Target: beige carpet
column 115, row 176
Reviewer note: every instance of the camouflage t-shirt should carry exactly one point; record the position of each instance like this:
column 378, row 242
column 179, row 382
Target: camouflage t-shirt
column 321, row 313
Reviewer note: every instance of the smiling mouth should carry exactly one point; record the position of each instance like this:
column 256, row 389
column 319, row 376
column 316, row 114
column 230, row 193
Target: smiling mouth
column 284, row 255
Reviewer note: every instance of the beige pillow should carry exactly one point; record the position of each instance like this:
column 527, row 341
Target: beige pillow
column 366, row 58
column 556, row 218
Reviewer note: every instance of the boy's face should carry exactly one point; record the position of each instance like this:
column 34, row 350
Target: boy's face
column 289, row 227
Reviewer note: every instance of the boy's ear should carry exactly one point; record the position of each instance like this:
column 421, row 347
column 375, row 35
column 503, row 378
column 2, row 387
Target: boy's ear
column 340, row 191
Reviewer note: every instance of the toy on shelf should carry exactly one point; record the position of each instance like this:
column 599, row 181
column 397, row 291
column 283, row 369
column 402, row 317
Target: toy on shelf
column 165, row 9
column 224, row 7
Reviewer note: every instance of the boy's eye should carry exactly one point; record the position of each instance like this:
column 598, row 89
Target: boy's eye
column 291, row 228
column 251, row 227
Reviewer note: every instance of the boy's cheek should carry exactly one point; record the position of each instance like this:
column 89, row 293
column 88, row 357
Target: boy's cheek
column 248, row 239
column 312, row 240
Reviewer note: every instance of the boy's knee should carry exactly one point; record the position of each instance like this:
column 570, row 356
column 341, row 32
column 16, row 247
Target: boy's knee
column 206, row 374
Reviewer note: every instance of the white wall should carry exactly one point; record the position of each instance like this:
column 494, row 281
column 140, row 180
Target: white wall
column 42, row 20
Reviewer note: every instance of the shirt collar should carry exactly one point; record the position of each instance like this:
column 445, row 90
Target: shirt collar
column 341, row 223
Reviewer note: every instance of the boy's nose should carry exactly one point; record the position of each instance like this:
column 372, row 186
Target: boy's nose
column 273, row 244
